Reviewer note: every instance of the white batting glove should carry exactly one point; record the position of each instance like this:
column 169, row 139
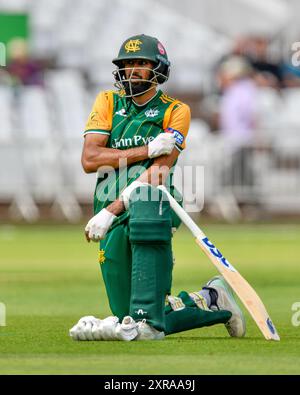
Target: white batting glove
column 83, row 330
column 125, row 195
column 163, row 144
column 90, row 328
column 98, row 226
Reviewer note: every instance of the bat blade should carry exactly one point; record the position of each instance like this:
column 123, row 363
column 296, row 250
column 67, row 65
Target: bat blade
column 242, row 288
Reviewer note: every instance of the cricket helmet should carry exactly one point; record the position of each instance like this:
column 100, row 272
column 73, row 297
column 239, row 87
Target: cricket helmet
column 141, row 47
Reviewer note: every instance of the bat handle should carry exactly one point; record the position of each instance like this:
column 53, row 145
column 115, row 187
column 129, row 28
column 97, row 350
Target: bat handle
column 185, row 218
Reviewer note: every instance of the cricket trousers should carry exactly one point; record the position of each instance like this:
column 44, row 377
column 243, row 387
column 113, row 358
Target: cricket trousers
column 136, row 264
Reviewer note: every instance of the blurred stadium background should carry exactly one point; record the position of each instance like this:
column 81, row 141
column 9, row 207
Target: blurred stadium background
column 56, row 56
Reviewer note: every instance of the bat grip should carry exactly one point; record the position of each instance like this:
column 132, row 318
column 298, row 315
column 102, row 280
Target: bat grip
column 185, row 218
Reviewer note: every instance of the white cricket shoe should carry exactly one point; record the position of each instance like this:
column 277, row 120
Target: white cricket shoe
column 147, row 332
column 236, row 326
column 127, row 330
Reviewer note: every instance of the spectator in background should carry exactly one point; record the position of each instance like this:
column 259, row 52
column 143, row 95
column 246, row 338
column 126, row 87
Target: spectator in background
column 267, row 72
column 22, row 69
column 231, row 107
column 237, row 113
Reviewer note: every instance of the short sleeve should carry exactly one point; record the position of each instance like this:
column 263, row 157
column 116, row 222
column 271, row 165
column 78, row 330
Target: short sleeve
column 179, row 123
column 100, row 118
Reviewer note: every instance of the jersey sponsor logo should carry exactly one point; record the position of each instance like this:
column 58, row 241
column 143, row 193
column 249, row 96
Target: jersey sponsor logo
column 133, row 46
column 179, row 137
column 131, row 141
column 122, row 112
column 151, row 113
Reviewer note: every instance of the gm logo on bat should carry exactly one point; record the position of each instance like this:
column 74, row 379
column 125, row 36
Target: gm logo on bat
column 271, row 326
column 218, row 254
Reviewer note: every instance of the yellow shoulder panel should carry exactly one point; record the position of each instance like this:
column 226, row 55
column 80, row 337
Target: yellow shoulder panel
column 100, row 117
column 178, row 122
column 169, row 112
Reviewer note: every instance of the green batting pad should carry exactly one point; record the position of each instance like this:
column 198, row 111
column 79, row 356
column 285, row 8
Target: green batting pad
column 150, row 236
column 192, row 318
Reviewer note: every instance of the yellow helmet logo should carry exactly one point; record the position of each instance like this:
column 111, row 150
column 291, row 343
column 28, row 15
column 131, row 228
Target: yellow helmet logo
column 133, row 45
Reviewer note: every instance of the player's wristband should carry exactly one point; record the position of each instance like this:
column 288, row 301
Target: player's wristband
column 125, row 195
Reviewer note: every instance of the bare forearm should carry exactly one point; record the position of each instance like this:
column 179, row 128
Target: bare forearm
column 116, row 207
column 155, row 175
column 159, row 171
column 100, row 156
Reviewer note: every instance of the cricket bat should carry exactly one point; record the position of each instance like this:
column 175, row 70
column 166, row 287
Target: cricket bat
column 241, row 287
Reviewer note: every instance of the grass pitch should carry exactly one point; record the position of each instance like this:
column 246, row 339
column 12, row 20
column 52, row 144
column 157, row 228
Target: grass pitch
column 49, row 278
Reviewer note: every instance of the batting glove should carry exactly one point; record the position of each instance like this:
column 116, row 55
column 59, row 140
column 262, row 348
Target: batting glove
column 98, row 226
column 163, row 144
column 83, row 329
column 90, row 328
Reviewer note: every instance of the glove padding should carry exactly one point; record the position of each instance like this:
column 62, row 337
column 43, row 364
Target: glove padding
column 83, row 329
column 91, row 328
column 163, row 144
column 98, row 226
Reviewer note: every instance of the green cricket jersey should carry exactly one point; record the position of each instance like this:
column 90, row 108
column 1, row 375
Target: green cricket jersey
column 129, row 125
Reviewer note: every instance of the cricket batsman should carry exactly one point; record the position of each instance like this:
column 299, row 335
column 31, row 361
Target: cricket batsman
column 133, row 138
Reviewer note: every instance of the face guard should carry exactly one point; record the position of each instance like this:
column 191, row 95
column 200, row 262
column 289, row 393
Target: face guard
column 134, row 86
